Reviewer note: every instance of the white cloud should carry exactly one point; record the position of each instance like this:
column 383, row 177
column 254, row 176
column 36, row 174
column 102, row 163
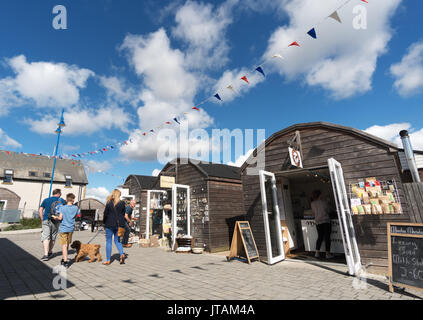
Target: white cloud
column 92, row 166
column 241, row 159
column 156, row 172
column 100, row 193
column 118, row 91
column 48, row 84
column 8, row 97
column 390, row 132
column 83, row 121
column 6, row 141
column 409, row 72
column 343, row 59
column 203, row 27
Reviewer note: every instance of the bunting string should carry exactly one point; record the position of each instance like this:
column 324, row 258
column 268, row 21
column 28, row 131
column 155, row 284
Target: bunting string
column 176, row 120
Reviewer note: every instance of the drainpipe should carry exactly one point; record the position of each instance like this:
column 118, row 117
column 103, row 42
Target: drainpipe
column 409, row 154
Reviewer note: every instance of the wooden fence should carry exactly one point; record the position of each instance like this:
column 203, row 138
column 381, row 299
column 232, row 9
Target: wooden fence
column 414, row 198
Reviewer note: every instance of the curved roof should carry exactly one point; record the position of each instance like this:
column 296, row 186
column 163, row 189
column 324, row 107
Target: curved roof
column 325, row 125
column 91, row 203
column 11, row 191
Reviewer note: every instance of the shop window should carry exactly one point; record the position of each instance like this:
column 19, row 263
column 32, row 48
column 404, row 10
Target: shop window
column 47, row 175
column 3, row 204
column 8, row 176
column 32, row 174
column 68, row 181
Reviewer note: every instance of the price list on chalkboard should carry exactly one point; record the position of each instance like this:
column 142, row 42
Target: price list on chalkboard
column 406, row 255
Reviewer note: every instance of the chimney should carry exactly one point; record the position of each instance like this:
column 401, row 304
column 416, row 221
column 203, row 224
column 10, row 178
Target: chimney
column 409, row 155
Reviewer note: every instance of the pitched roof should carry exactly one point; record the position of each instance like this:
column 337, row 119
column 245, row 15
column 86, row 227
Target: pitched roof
column 145, row 182
column 209, row 169
column 22, row 164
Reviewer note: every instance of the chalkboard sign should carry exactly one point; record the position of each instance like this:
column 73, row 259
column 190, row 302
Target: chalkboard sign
column 405, row 249
column 249, row 243
column 243, row 242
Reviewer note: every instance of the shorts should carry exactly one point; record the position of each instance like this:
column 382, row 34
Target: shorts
column 49, row 230
column 65, row 238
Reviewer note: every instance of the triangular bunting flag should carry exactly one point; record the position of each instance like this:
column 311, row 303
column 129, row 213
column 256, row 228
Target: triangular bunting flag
column 245, row 79
column 278, row 56
column 295, row 43
column 144, row 134
column 195, row 108
column 364, row 1
column 260, row 69
column 168, row 122
column 176, row 120
column 335, row 16
column 312, row 33
column 217, row 97
column 152, row 130
column 230, row 87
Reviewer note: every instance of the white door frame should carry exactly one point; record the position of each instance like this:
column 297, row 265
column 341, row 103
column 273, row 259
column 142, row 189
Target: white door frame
column 279, row 239
column 352, row 254
column 174, row 210
column 147, row 224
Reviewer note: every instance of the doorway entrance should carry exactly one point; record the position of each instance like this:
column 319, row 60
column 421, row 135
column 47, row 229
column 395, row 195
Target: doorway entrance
column 290, row 195
column 181, row 226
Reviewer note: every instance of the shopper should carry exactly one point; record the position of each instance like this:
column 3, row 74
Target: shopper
column 320, row 210
column 128, row 223
column 113, row 219
column 50, row 226
column 67, row 215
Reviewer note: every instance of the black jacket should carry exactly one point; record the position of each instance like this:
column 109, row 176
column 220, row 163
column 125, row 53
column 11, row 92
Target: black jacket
column 113, row 214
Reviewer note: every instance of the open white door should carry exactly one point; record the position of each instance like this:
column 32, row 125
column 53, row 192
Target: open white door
column 271, row 217
column 180, row 212
column 346, row 225
column 150, row 195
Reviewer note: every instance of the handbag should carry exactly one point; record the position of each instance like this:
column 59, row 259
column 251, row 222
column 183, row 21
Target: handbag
column 121, row 231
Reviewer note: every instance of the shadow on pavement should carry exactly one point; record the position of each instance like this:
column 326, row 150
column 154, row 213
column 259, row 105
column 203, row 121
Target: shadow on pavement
column 23, row 274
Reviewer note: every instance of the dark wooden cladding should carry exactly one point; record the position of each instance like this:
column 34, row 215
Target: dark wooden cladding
column 361, row 156
column 216, row 203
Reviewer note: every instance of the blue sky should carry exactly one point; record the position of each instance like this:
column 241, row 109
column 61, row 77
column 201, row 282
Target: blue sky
column 123, row 67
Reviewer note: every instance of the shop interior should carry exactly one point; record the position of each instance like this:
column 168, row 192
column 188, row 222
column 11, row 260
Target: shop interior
column 294, row 193
column 169, row 210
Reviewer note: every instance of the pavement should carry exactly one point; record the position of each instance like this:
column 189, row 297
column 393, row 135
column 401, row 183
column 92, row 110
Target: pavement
column 154, row 274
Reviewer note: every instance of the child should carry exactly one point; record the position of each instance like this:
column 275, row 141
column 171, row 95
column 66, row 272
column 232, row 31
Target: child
column 67, row 215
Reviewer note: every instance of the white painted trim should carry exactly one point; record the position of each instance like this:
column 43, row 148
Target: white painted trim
column 346, row 225
column 147, row 222
column 270, row 258
column 5, row 204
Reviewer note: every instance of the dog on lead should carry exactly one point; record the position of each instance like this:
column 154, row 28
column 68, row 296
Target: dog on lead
column 82, row 250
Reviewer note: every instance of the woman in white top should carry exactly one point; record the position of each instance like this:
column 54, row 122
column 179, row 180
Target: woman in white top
column 320, row 210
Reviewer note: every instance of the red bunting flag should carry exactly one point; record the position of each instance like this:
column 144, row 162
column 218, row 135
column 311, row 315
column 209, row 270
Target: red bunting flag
column 168, row 122
column 295, row 43
column 8, row 152
column 126, row 142
column 195, row 108
column 144, row 134
column 245, row 79
column 364, row 1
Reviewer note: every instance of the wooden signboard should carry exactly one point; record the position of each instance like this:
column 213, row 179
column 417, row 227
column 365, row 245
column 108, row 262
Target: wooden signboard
column 405, row 250
column 243, row 242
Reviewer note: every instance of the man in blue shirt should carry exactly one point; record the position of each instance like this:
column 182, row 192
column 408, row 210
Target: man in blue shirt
column 50, row 226
column 67, row 215
column 128, row 223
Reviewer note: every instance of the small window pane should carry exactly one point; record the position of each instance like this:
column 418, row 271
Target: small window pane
column 47, row 175
column 33, row 174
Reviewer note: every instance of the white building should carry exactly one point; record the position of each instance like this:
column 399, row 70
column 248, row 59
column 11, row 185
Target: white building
column 25, row 181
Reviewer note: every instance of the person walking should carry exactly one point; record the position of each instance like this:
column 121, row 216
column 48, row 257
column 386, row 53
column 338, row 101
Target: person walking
column 128, row 223
column 320, row 210
column 67, row 215
column 113, row 220
column 50, row 226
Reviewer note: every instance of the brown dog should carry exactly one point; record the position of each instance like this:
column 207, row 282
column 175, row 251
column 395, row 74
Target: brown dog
column 92, row 250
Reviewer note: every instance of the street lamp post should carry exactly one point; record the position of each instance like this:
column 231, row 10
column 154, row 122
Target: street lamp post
column 61, row 124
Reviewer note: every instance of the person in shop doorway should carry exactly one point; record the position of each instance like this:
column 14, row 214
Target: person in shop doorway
column 320, row 210
column 128, row 223
column 113, row 220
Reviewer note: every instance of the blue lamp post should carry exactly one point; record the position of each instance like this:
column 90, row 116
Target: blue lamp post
column 61, row 124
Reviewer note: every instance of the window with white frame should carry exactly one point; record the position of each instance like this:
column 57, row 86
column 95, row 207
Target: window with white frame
column 68, row 181
column 8, row 176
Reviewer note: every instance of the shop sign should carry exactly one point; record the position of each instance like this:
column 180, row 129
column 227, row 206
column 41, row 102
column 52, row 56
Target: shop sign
column 295, row 157
column 166, row 182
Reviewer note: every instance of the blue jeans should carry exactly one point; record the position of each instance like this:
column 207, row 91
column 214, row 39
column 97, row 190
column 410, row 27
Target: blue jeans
column 110, row 233
column 127, row 231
